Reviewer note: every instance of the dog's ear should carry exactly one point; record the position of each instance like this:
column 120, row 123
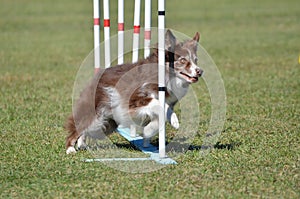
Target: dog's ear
column 170, row 41
column 196, row 37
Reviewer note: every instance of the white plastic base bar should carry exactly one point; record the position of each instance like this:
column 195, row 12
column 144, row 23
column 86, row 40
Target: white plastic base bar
column 115, row 159
column 138, row 143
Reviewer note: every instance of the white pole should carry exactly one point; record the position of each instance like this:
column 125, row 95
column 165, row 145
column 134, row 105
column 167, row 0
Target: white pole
column 147, row 31
column 120, row 31
column 135, row 45
column 106, row 32
column 136, row 31
column 161, row 77
column 96, row 36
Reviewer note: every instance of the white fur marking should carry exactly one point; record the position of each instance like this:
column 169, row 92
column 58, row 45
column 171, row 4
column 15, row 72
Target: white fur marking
column 174, row 121
column 194, row 66
column 120, row 114
column 171, row 117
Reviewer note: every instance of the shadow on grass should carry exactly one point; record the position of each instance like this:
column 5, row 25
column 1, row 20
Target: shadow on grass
column 128, row 145
column 218, row 145
column 177, row 146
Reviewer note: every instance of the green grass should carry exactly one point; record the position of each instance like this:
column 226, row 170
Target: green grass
column 255, row 45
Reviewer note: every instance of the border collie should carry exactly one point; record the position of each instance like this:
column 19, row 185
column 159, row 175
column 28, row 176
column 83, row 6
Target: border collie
column 127, row 94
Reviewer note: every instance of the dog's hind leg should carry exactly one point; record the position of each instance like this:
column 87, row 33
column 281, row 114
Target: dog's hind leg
column 81, row 142
column 77, row 134
column 73, row 135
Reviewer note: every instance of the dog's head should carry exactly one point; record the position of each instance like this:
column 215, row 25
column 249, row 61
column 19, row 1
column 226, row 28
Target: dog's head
column 184, row 57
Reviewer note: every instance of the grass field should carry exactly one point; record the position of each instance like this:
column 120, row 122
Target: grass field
column 255, row 45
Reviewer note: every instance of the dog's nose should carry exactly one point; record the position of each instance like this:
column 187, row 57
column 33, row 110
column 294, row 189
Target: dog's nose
column 199, row 72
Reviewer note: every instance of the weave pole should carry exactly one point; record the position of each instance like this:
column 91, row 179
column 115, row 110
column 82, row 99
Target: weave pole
column 106, row 24
column 96, row 36
column 147, row 30
column 161, row 78
column 158, row 156
column 135, row 44
column 120, row 31
column 136, row 31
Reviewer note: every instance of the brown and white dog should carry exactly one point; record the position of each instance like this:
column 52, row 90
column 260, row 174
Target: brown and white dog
column 128, row 94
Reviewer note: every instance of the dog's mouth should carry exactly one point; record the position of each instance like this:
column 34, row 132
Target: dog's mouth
column 189, row 78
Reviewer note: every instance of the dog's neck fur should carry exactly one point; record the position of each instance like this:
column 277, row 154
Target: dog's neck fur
column 176, row 87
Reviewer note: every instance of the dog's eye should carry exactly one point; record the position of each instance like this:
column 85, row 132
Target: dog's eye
column 182, row 60
column 196, row 60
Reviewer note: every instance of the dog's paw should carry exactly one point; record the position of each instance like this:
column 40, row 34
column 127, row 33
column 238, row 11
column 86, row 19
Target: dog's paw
column 174, row 121
column 71, row 150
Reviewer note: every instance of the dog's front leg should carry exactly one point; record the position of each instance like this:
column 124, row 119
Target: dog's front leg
column 171, row 117
column 152, row 128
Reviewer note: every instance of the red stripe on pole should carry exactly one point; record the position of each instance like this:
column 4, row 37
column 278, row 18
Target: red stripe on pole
column 106, row 23
column 96, row 21
column 147, row 34
column 121, row 26
column 136, row 29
